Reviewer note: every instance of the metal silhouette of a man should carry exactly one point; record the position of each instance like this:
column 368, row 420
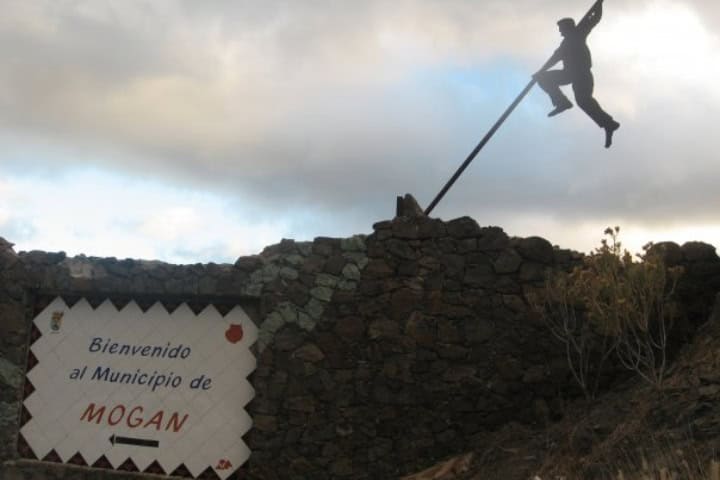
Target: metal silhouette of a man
column 577, row 63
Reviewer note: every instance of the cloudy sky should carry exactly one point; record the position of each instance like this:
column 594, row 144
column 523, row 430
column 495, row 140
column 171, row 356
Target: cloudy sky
column 200, row 130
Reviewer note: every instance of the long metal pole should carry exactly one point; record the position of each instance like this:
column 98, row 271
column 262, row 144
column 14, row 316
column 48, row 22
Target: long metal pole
column 491, row 132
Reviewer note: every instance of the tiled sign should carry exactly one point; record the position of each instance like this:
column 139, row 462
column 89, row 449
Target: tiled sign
column 140, row 390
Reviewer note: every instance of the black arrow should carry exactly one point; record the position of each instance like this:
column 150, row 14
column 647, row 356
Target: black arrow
column 140, row 442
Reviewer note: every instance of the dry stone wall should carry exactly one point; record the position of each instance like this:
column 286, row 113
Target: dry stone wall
column 377, row 355
column 433, row 346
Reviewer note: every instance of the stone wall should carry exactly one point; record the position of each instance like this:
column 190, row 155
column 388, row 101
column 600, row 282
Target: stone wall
column 432, row 346
column 377, row 354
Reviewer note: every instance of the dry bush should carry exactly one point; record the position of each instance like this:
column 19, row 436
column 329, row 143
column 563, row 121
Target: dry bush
column 612, row 304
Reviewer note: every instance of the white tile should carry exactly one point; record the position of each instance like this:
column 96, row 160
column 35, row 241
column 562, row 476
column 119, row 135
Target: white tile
column 207, row 455
column 71, row 420
column 117, row 329
column 238, row 393
column 35, row 405
column 116, row 455
column 183, row 451
column 36, row 438
column 238, row 315
column 59, row 392
column 234, row 375
column 168, row 459
column 94, row 445
column 235, row 401
column 157, row 312
column 46, row 343
column 82, row 310
column 55, row 433
column 94, row 323
column 65, row 404
column 207, row 345
column 240, row 422
column 95, row 389
column 227, row 435
column 141, row 456
column 41, row 379
column 215, row 361
column 237, row 454
column 212, row 422
column 202, row 404
column 66, row 450
column 69, row 351
column 41, row 346
column 196, row 463
column 42, row 320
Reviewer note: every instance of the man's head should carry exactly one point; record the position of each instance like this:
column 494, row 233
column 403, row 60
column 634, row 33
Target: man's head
column 566, row 26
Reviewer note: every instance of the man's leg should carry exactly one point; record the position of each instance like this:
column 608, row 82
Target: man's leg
column 550, row 81
column 583, row 86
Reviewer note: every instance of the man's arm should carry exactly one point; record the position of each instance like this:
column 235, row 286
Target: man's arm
column 555, row 58
column 593, row 18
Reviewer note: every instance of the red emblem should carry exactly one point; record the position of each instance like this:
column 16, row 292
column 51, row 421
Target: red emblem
column 223, row 464
column 234, row 333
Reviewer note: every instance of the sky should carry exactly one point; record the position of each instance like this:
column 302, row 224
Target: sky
column 198, row 131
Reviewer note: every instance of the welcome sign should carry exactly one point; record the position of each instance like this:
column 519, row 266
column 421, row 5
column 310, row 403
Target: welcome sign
column 150, row 391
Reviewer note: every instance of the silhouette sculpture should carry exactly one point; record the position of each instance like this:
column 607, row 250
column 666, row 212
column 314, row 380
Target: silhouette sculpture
column 577, row 62
column 582, row 81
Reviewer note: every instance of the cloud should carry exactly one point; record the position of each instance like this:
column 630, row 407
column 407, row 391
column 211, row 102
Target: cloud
column 330, row 109
column 99, row 214
column 199, row 80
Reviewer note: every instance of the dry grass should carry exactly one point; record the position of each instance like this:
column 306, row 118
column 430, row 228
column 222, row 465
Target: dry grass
column 447, row 470
column 682, row 470
column 679, row 472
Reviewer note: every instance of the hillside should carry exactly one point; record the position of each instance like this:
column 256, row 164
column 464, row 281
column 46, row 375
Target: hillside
column 632, row 429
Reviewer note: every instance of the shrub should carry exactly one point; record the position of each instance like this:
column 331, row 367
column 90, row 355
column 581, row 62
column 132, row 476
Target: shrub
column 612, row 304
